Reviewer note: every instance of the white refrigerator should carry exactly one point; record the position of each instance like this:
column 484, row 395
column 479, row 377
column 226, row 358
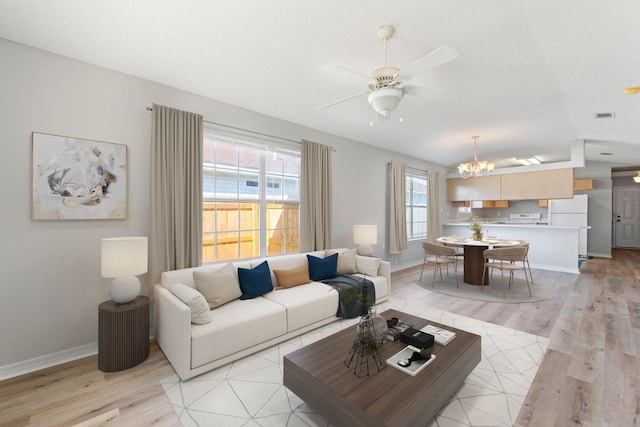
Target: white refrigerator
column 572, row 212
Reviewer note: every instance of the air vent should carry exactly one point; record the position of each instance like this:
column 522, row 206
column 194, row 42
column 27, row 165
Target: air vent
column 605, row 115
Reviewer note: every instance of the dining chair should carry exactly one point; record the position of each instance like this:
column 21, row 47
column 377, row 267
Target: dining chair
column 439, row 255
column 525, row 243
column 511, row 259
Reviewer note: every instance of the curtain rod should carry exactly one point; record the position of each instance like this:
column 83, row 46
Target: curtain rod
column 409, row 167
column 244, row 130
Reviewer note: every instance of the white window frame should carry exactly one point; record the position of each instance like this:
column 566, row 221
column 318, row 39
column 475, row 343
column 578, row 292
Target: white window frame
column 266, row 145
column 412, row 174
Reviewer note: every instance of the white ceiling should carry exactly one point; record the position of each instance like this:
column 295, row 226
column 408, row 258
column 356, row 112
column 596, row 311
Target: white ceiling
column 532, row 72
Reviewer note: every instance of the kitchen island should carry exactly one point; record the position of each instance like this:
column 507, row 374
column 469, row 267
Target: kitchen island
column 551, row 247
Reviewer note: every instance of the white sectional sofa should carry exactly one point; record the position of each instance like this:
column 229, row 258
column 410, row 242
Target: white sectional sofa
column 241, row 327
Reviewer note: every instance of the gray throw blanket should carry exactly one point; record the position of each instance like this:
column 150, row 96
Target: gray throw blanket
column 356, row 295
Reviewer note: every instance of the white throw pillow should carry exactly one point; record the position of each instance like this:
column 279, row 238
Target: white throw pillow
column 200, row 313
column 367, row 265
column 218, row 287
column 346, row 260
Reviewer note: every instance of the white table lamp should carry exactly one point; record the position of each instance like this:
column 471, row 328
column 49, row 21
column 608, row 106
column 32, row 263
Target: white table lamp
column 123, row 258
column 364, row 236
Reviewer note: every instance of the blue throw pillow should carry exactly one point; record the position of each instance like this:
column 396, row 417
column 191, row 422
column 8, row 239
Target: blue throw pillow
column 323, row 268
column 255, row 281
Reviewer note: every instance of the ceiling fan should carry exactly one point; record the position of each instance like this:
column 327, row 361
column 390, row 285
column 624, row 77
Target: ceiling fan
column 388, row 85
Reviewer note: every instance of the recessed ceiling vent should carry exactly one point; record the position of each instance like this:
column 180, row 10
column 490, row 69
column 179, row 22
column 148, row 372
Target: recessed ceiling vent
column 605, row 115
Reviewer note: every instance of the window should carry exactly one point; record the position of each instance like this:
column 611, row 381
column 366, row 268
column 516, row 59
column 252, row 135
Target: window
column 251, row 199
column 416, row 199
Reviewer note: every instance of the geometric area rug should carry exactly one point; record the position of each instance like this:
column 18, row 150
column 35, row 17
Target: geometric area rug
column 249, row 392
column 518, row 293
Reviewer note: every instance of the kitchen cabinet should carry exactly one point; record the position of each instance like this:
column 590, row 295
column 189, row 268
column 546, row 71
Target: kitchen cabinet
column 545, row 184
column 482, row 203
column 489, row 203
column 477, row 188
column 583, row 184
column 543, row 203
column 461, row 204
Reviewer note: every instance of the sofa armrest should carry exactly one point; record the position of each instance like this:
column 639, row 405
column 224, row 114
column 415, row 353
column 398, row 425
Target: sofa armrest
column 385, row 270
column 172, row 330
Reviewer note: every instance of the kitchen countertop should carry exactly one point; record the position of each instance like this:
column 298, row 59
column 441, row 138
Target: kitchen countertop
column 493, row 224
column 552, row 247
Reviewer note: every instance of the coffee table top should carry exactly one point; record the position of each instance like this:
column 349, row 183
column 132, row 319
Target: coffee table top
column 389, row 395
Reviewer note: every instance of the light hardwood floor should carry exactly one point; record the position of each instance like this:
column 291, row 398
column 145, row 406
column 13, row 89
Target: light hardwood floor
column 590, row 374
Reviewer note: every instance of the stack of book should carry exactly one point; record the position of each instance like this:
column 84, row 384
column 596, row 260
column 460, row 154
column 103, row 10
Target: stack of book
column 393, row 333
column 441, row 336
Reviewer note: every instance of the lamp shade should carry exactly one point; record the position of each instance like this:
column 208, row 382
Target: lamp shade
column 124, row 256
column 365, row 234
column 385, row 100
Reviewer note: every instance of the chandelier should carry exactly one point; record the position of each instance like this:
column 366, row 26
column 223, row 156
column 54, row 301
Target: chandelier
column 475, row 168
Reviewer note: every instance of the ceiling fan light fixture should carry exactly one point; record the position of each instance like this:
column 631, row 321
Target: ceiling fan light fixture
column 385, row 100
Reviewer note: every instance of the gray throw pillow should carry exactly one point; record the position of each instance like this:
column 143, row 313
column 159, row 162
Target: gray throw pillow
column 218, row 287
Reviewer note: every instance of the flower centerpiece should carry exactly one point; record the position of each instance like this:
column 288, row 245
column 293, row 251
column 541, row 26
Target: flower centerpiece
column 477, row 230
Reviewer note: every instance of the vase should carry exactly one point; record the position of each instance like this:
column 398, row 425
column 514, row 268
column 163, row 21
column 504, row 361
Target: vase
column 477, row 235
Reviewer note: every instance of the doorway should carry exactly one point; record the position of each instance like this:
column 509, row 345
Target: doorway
column 626, row 217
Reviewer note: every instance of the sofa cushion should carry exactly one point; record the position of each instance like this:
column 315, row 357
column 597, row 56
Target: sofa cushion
column 346, row 260
column 367, row 265
column 200, row 313
column 236, row 326
column 255, row 281
column 323, row 268
column 294, row 277
column 218, row 287
column 379, row 283
column 306, row 304
column 185, row 275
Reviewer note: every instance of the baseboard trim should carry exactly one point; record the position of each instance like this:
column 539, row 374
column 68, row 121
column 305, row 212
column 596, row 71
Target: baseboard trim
column 53, row 359
column 47, row 361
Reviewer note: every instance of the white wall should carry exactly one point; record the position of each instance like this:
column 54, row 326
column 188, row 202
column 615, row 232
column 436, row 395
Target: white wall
column 600, row 207
column 49, row 297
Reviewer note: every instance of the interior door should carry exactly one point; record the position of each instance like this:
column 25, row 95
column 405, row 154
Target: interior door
column 627, row 217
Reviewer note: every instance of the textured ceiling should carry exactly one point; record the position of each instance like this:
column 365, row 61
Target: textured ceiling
column 532, row 72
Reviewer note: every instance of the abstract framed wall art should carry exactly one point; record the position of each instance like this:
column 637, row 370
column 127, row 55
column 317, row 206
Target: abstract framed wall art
column 77, row 178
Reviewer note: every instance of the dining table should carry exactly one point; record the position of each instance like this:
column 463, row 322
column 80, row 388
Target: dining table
column 474, row 254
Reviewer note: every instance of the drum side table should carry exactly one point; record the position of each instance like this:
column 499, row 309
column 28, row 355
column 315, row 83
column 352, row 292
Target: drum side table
column 123, row 337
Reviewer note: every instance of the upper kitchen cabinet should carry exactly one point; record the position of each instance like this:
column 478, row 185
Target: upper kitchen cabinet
column 477, row 188
column 489, row 204
column 583, row 184
column 546, row 184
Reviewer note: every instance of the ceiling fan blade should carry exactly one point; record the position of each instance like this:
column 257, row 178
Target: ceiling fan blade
column 331, row 104
column 434, row 93
column 347, row 72
column 432, row 60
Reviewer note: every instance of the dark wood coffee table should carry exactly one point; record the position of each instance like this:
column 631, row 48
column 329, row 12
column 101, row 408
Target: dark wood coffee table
column 317, row 374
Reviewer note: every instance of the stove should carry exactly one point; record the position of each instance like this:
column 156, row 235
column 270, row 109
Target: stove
column 524, row 218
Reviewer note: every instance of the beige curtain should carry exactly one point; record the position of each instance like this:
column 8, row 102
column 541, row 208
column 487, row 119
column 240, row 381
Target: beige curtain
column 397, row 208
column 315, row 196
column 175, row 237
column 433, row 207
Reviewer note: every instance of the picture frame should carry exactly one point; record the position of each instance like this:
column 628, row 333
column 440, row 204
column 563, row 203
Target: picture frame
column 78, row 179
